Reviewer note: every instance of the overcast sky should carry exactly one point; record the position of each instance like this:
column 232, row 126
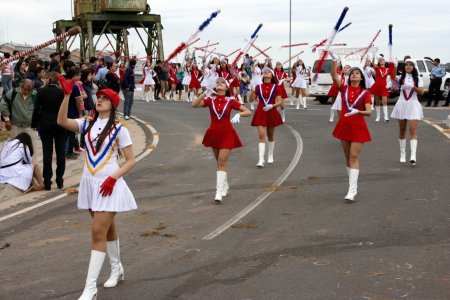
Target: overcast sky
column 421, row 28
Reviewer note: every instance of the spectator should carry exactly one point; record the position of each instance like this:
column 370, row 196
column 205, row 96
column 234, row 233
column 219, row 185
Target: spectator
column 157, row 71
column 48, row 101
column 180, row 76
column 7, row 75
column 112, row 80
column 17, row 168
column 128, row 86
column 164, row 81
column 41, row 78
column 21, row 73
column 86, row 81
column 14, row 62
column 244, row 81
column 16, row 108
column 54, row 63
column 67, row 54
column 74, row 111
column 434, row 90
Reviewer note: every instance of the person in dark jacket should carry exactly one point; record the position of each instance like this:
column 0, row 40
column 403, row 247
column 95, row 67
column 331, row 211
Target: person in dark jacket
column 48, row 101
column 112, row 80
column 128, row 86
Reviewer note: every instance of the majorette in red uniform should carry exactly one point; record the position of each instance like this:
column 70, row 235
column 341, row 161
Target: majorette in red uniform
column 266, row 115
column 221, row 135
column 173, row 80
column 379, row 88
column 195, row 77
column 351, row 128
column 280, row 77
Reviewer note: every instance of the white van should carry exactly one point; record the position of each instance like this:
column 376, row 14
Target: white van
column 319, row 89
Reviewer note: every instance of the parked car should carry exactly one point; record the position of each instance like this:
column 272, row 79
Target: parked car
column 424, row 68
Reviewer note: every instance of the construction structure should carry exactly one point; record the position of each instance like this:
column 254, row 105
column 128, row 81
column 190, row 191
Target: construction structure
column 112, row 19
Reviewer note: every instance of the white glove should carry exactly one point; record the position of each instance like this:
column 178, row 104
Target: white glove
column 407, row 86
column 236, row 118
column 268, row 107
column 352, row 112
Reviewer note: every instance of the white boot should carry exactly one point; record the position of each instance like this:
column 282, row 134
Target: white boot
column 219, row 186
column 117, row 273
column 413, row 144
column 283, row 115
column 292, row 101
column 270, row 155
column 95, row 266
column 261, row 150
column 378, row 109
column 331, row 115
column 385, row 112
column 304, row 102
column 252, row 105
column 298, row 103
column 225, row 186
column 353, row 184
column 402, row 150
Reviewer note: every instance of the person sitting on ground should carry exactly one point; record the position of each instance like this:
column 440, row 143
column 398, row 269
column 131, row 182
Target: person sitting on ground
column 16, row 167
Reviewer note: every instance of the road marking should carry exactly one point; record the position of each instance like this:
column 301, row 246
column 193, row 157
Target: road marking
column 437, row 127
column 138, row 158
column 263, row 196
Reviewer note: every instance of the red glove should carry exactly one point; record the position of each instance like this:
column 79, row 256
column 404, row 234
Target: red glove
column 107, row 186
column 66, row 85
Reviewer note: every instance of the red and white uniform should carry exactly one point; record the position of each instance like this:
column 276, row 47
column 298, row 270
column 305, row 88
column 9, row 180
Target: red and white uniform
column 266, row 94
column 173, row 75
column 379, row 87
column 279, row 79
column 334, row 91
column 300, row 79
column 195, row 78
column 353, row 128
column 221, row 134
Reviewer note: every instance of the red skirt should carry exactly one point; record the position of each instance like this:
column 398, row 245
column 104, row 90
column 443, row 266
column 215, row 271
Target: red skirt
column 269, row 118
column 281, row 91
column 221, row 138
column 195, row 83
column 379, row 89
column 352, row 129
column 234, row 83
column 333, row 92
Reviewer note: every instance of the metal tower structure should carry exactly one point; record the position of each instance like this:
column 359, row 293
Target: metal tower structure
column 112, row 19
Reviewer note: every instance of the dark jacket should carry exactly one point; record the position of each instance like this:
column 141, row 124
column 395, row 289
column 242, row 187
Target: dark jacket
column 128, row 80
column 112, row 81
column 46, row 108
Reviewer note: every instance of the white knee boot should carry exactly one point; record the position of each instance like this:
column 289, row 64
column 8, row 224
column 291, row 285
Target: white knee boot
column 252, row 105
column 117, row 273
column 225, row 186
column 378, row 110
column 385, row 112
column 219, row 185
column 331, row 115
column 304, row 102
column 298, row 102
column 261, row 150
column 95, row 266
column 353, row 184
column 413, row 144
column 270, row 155
column 402, row 150
column 283, row 115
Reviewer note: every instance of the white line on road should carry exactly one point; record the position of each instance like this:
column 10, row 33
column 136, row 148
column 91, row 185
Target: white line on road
column 263, row 196
column 138, row 158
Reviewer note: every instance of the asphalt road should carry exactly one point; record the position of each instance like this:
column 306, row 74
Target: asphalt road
column 301, row 242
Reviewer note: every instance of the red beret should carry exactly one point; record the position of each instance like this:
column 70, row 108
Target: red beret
column 112, row 95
